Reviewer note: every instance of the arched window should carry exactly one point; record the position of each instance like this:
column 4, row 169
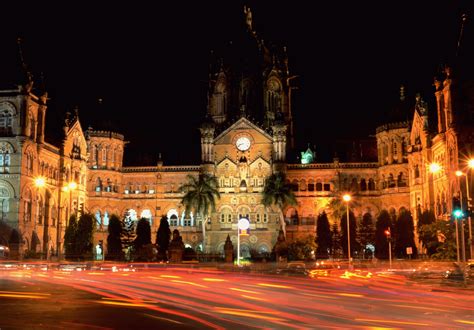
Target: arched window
column 385, row 153
column 98, row 219
column 106, row 218
column 394, row 150
column 146, row 214
column 354, row 185
column 363, row 185
column 273, row 95
column 98, row 185
column 6, row 119
column 371, row 184
column 28, row 206
column 310, row 185
column 391, row 181
column 319, row 186
column 417, row 172
column 173, row 220
column 294, row 185
column 401, row 182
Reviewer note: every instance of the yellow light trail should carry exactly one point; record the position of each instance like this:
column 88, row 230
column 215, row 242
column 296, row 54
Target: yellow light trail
column 393, row 322
column 21, row 296
column 253, row 298
column 170, row 276
column 214, row 279
column 117, row 303
column 190, row 283
column 247, row 314
column 275, row 286
column 162, row 318
column 350, row 295
column 464, row 321
column 31, row 293
column 421, row 307
column 246, row 291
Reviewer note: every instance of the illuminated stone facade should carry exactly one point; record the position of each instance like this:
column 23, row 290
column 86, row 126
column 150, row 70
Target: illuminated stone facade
column 245, row 137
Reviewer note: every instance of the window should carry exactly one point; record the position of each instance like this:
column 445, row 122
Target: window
column 319, row 186
column 173, row 220
column 310, row 185
column 6, row 120
column 327, row 187
column 371, row 184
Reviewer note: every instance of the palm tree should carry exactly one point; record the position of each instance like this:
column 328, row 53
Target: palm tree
column 200, row 195
column 277, row 192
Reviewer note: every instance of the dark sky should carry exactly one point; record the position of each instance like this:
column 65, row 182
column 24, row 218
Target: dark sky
column 148, row 61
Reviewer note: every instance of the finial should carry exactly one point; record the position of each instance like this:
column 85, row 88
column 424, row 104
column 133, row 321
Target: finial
column 248, row 17
column 100, row 100
column 463, row 20
column 402, row 93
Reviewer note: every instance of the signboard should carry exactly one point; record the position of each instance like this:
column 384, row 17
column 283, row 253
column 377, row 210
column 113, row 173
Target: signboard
column 244, row 232
column 409, row 250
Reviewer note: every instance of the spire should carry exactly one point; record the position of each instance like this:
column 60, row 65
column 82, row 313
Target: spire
column 248, row 17
column 402, row 93
column 463, row 21
column 26, row 72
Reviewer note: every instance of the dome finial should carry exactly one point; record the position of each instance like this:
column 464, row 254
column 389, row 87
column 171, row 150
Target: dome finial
column 402, row 93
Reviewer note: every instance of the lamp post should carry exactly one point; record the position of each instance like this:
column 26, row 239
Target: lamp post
column 461, row 216
column 389, row 239
column 347, row 199
column 243, row 225
column 470, row 164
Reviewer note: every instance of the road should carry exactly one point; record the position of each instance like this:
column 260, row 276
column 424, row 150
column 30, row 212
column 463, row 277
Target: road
column 191, row 298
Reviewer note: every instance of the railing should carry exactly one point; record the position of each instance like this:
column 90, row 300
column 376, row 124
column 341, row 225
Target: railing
column 332, row 165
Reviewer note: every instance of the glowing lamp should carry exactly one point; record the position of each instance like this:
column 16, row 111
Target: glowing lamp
column 470, row 163
column 459, row 173
column 435, row 167
column 40, row 182
column 457, row 213
column 346, row 198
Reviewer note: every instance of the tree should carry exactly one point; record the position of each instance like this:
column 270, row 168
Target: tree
column 84, row 235
column 366, row 234
column 114, row 242
column 381, row 244
column 277, row 192
column 336, row 248
column 353, row 233
column 142, row 242
column 200, row 194
column 302, row 249
column 128, row 235
column 323, row 236
column 70, row 238
column 429, row 241
column 441, row 239
column 163, row 236
column 405, row 235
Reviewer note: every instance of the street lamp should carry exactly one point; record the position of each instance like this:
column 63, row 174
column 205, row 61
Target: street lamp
column 389, row 239
column 470, row 165
column 347, row 199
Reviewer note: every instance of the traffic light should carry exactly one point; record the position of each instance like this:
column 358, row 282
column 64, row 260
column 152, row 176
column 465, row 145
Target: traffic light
column 457, row 210
column 388, row 233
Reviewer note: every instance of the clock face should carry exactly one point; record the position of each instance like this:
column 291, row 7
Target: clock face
column 243, row 143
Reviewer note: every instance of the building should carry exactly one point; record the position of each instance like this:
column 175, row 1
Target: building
column 245, row 136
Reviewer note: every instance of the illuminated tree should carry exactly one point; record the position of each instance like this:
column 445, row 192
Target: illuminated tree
column 200, row 194
column 429, row 241
column 277, row 192
column 323, row 236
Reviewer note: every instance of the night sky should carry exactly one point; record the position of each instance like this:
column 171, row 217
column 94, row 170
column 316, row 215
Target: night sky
column 148, row 62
